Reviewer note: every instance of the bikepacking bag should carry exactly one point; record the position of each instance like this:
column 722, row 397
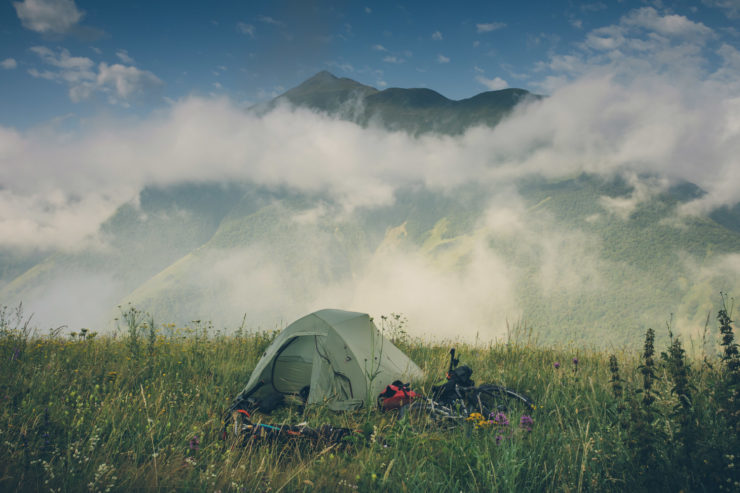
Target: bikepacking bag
column 396, row 395
column 460, row 376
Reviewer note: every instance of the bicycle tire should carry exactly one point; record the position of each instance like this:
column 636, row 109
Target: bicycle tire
column 490, row 400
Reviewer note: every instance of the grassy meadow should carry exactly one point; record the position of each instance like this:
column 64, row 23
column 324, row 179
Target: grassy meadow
column 142, row 409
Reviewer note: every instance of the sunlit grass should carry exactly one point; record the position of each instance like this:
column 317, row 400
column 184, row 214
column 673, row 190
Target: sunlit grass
column 144, row 411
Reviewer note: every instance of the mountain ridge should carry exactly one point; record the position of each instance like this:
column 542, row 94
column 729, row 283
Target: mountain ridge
column 413, row 110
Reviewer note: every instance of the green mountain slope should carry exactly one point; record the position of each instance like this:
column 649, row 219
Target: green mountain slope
column 576, row 258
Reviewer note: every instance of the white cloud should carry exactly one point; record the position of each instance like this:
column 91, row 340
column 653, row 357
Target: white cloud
column 593, row 125
column 9, row 64
column 437, row 36
column 245, row 28
column 644, row 41
column 490, row 26
column 650, row 19
column 730, row 7
column 125, row 57
column 379, row 48
column 494, row 84
column 269, row 20
column 120, row 82
column 442, row 59
column 48, row 16
column 125, row 81
column 393, row 59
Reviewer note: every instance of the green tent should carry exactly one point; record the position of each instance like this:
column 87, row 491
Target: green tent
column 333, row 353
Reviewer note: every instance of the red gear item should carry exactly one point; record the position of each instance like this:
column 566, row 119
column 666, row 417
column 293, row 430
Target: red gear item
column 396, row 395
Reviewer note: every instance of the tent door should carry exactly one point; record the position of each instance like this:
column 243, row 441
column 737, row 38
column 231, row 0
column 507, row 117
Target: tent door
column 293, row 365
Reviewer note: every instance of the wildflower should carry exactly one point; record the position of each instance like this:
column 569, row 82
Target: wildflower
column 194, row 443
column 556, row 365
column 526, row 423
column 575, row 361
column 500, row 419
column 498, row 439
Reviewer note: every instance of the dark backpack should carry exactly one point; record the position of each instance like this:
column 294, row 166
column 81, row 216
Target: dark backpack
column 460, row 376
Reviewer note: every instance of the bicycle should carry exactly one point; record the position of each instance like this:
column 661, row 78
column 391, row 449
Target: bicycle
column 245, row 430
column 458, row 399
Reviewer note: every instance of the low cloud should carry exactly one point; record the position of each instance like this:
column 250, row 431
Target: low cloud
column 593, row 125
column 9, row 64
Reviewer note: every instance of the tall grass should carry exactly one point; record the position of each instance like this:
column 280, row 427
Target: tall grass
column 142, row 410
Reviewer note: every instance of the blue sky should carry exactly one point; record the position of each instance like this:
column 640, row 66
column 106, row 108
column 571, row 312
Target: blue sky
column 72, row 59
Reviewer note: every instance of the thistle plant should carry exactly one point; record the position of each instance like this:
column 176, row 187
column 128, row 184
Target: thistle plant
column 644, row 434
column 648, row 370
column 616, row 382
column 683, row 412
column 729, row 401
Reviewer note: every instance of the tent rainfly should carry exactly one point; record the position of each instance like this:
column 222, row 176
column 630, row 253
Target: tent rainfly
column 333, row 354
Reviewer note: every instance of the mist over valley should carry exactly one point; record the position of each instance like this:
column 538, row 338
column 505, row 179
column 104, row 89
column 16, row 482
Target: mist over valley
column 584, row 215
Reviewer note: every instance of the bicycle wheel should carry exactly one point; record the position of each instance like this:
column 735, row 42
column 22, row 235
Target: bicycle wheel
column 427, row 415
column 490, row 400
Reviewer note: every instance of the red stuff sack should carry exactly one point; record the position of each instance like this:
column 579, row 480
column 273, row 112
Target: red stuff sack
column 396, row 395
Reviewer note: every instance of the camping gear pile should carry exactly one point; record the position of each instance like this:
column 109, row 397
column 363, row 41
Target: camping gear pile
column 331, row 357
column 334, row 357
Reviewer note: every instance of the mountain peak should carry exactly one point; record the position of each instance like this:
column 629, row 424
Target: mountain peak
column 323, row 76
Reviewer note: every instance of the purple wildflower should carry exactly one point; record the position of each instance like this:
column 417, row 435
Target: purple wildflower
column 575, row 361
column 500, row 419
column 194, row 443
column 526, row 423
column 498, row 439
column 556, row 365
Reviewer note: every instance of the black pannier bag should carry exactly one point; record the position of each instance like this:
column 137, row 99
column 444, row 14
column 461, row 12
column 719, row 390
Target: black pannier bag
column 460, row 376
